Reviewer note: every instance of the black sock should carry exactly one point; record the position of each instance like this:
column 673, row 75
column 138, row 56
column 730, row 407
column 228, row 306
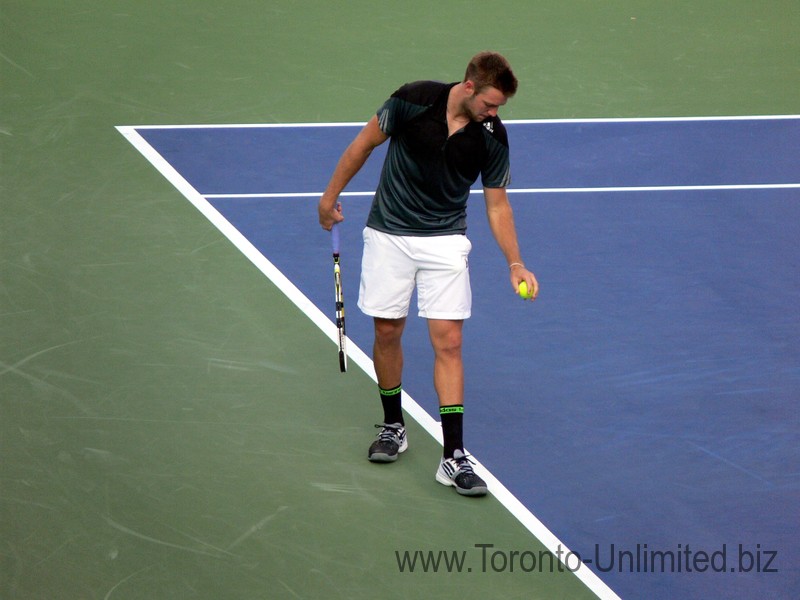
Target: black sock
column 392, row 411
column 452, row 428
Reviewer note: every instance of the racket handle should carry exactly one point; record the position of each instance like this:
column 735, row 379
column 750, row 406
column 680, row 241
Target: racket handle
column 335, row 238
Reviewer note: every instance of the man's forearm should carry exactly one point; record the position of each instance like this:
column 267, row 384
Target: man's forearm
column 350, row 163
column 501, row 222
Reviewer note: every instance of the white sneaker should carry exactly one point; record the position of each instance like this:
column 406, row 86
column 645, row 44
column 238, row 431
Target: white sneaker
column 457, row 472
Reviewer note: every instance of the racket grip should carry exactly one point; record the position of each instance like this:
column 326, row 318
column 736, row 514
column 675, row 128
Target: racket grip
column 335, row 238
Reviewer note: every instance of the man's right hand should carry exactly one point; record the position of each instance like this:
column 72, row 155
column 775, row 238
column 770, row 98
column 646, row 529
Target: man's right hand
column 328, row 217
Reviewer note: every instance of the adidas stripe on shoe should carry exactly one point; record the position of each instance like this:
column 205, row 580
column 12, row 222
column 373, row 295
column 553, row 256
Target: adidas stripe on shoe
column 458, row 472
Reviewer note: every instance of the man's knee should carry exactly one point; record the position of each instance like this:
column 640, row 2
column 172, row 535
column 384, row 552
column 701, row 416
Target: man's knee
column 446, row 337
column 388, row 331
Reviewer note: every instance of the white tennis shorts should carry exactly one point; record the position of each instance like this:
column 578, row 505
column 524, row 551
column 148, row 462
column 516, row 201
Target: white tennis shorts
column 392, row 266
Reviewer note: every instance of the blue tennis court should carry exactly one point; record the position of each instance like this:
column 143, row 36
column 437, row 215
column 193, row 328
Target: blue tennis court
column 644, row 408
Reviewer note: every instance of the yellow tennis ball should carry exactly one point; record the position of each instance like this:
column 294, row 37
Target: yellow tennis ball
column 524, row 292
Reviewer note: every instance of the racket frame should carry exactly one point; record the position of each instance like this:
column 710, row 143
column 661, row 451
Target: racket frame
column 339, row 296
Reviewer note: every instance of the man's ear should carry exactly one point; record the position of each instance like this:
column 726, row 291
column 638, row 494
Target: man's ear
column 469, row 87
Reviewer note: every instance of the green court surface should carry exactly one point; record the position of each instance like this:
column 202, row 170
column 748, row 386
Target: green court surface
column 171, row 425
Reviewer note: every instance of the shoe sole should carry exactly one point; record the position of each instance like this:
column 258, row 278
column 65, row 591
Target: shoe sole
column 382, row 457
column 476, row 491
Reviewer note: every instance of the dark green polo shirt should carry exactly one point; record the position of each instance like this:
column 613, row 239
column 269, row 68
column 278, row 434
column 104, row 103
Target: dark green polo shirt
column 426, row 177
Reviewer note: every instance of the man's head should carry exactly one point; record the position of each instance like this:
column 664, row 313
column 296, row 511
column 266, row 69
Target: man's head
column 489, row 83
column 490, row 69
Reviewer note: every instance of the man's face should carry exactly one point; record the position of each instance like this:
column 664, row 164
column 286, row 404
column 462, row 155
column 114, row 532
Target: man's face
column 484, row 104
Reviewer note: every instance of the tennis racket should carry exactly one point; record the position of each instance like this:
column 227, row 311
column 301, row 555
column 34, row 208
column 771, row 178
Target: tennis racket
column 337, row 278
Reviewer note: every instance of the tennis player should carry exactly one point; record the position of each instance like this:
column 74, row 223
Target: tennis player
column 443, row 137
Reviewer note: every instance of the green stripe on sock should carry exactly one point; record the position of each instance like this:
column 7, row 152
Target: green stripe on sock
column 391, row 392
column 448, row 410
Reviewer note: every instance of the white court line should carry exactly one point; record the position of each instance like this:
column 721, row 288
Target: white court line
column 577, row 190
column 571, row 190
column 506, row 121
column 356, row 355
column 659, row 188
